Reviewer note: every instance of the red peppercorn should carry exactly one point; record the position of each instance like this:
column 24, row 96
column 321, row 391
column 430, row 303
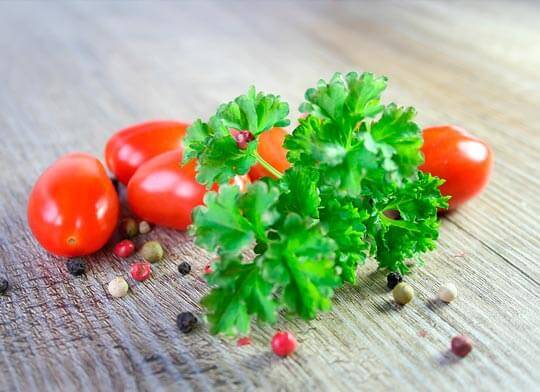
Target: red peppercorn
column 141, row 271
column 124, row 248
column 284, row 343
column 242, row 138
column 461, row 345
column 208, row 269
column 244, row 341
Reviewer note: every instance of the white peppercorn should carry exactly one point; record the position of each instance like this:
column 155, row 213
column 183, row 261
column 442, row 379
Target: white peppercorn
column 118, row 287
column 144, row 227
column 448, row 292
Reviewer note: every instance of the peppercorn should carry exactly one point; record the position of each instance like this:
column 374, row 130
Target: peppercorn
column 208, row 269
column 124, row 248
column 4, row 284
column 448, row 292
column 144, row 227
column 186, row 322
column 461, row 345
column 141, row 271
column 129, row 227
column 284, row 343
column 245, row 341
column 403, row 293
column 115, row 183
column 393, row 279
column 152, row 251
column 242, row 138
column 76, row 267
column 184, row 268
column 118, row 287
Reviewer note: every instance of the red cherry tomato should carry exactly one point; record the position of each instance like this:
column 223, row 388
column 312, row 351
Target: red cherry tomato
column 129, row 148
column 73, row 208
column 462, row 160
column 124, row 248
column 284, row 343
column 164, row 192
column 271, row 150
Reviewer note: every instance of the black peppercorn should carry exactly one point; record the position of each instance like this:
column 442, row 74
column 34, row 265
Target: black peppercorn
column 393, row 279
column 115, row 183
column 184, row 268
column 186, row 322
column 76, row 267
column 4, row 284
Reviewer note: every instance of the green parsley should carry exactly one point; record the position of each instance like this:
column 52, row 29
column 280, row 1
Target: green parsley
column 354, row 167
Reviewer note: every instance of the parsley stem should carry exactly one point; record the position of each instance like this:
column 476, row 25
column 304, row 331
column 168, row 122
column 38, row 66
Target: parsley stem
column 267, row 166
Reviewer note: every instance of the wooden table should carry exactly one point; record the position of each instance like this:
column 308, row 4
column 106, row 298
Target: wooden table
column 73, row 73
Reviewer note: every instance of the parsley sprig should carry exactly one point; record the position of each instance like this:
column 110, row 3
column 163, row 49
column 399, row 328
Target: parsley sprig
column 354, row 167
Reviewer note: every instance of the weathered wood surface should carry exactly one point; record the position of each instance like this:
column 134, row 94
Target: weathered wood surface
column 72, row 73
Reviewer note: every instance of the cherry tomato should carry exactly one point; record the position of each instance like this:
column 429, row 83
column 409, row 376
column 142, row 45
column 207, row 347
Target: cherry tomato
column 164, row 192
column 284, row 343
column 271, row 150
column 73, row 208
column 129, row 148
column 463, row 161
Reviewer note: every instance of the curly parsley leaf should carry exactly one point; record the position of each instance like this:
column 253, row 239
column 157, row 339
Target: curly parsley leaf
column 416, row 229
column 254, row 112
column 231, row 221
column 239, row 293
column 212, row 144
column 301, row 263
column 343, row 222
column 353, row 190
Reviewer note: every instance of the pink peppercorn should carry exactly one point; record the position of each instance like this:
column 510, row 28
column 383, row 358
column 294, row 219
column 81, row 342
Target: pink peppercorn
column 141, row 271
column 124, row 248
column 461, row 345
column 244, row 341
column 242, row 138
column 284, row 343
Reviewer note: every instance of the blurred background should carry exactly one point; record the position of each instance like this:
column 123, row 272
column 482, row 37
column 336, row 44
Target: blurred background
column 99, row 66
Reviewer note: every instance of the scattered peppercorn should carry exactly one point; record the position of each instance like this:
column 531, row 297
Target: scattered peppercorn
column 152, row 251
column 393, row 279
column 4, row 285
column 245, row 341
column 124, row 248
column 141, row 271
column 208, row 269
column 403, row 293
column 461, row 345
column 144, row 227
column 115, row 183
column 284, row 343
column 242, row 138
column 118, row 287
column 129, row 227
column 448, row 292
column 186, row 322
column 76, row 267
column 184, row 268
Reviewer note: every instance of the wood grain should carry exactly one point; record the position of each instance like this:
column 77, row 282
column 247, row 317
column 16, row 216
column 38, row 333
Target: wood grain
column 74, row 72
